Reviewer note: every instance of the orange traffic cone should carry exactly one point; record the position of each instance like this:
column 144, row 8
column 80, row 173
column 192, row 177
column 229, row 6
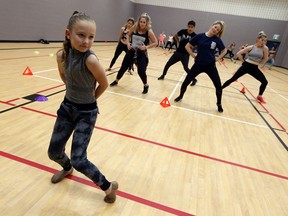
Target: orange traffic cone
column 242, row 90
column 27, row 71
column 165, row 102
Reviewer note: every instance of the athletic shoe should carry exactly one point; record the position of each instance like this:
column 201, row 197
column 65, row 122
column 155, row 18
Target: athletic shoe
column 114, row 83
column 220, row 109
column 111, row 197
column 145, row 90
column 177, row 99
column 261, row 99
column 60, row 175
column 193, row 83
column 161, row 77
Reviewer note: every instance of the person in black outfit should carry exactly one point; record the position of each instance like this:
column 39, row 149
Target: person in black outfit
column 142, row 38
column 122, row 42
column 182, row 37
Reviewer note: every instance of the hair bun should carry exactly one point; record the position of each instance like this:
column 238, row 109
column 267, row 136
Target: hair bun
column 261, row 34
column 75, row 12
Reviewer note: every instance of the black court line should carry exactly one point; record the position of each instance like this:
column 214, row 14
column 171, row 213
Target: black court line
column 266, row 122
column 29, row 102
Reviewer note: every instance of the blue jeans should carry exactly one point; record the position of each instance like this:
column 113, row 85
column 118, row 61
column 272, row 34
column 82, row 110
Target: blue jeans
column 82, row 123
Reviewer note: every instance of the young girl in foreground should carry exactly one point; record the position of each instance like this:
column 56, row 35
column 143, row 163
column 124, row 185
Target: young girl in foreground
column 80, row 70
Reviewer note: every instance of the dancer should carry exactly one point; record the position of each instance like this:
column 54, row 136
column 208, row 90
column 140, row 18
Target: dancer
column 243, row 55
column 271, row 59
column 140, row 35
column 79, row 69
column 122, row 43
column 181, row 54
column 230, row 51
column 257, row 55
column 170, row 42
column 205, row 59
column 161, row 39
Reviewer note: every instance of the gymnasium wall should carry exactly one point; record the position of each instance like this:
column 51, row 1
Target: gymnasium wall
column 244, row 19
column 30, row 20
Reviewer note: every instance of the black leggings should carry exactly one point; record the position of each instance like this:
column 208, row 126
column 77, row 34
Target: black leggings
column 142, row 63
column 176, row 57
column 213, row 74
column 119, row 49
column 251, row 69
column 170, row 44
column 231, row 54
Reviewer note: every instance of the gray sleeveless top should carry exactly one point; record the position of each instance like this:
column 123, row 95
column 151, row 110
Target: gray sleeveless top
column 80, row 83
column 256, row 55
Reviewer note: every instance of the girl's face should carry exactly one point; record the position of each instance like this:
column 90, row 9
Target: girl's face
column 82, row 35
column 261, row 41
column 129, row 24
column 215, row 29
column 142, row 23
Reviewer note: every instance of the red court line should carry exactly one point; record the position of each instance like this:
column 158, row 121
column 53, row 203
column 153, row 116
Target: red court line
column 196, row 154
column 50, row 88
column 175, row 148
column 277, row 122
column 90, row 183
column 8, row 102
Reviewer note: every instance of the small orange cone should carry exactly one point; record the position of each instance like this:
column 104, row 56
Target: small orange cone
column 27, row 71
column 242, row 90
column 165, row 102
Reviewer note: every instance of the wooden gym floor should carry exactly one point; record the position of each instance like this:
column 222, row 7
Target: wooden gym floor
column 185, row 159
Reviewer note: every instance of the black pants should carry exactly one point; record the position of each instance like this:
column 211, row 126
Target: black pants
column 213, row 74
column 170, row 44
column 251, row 69
column 141, row 58
column 176, row 57
column 80, row 124
column 119, row 49
column 230, row 53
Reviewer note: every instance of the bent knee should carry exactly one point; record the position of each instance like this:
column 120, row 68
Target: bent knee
column 79, row 164
column 52, row 155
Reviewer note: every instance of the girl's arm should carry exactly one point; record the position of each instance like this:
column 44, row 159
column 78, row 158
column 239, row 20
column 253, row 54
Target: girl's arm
column 129, row 37
column 120, row 34
column 152, row 38
column 243, row 51
column 98, row 72
column 265, row 54
column 60, row 65
column 222, row 54
column 189, row 47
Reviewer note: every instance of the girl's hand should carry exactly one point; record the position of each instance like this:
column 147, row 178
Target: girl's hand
column 129, row 46
column 142, row 47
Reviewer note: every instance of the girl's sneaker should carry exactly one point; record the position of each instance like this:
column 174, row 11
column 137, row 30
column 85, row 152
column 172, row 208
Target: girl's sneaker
column 261, row 99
